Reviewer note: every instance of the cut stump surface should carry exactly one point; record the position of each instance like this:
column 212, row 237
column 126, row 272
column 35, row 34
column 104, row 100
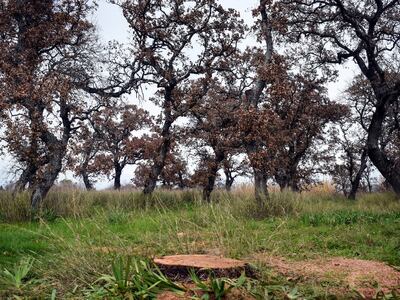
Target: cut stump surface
column 200, row 261
column 178, row 266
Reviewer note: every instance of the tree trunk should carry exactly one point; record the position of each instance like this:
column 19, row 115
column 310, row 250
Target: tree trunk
column 117, row 177
column 84, row 168
column 86, row 181
column 260, row 187
column 282, row 179
column 212, row 175
column 355, row 183
column 157, row 167
column 56, row 150
column 159, row 160
column 32, row 163
column 42, row 187
column 27, row 177
column 368, row 179
column 389, row 170
column 229, row 183
column 293, row 182
column 260, row 179
column 287, row 175
column 181, row 181
column 229, row 179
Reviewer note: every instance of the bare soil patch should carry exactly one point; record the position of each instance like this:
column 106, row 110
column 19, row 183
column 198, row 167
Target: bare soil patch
column 364, row 276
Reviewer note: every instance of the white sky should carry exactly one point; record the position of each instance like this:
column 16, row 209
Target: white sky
column 112, row 26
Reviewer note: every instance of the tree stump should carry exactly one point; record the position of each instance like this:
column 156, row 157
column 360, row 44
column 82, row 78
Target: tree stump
column 177, row 267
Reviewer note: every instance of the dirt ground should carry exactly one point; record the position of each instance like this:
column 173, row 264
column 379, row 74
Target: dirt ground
column 340, row 275
column 366, row 277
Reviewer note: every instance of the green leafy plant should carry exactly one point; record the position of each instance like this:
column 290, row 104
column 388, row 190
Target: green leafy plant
column 379, row 294
column 16, row 277
column 217, row 288
column 136, row 279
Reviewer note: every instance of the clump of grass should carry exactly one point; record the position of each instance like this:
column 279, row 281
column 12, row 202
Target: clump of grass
column 81, row 204
column 16, row 278
column 14, row 208
column 133, row 278
column 216, row 288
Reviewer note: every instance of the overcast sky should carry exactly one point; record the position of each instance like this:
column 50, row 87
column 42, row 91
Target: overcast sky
column 112, row 26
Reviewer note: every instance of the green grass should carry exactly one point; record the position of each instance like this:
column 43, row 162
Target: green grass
column 76, row 244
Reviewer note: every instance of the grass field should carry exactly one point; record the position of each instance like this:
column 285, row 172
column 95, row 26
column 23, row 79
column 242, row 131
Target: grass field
column 79, row 234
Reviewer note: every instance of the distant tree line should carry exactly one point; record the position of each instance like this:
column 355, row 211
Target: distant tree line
column 261, row 112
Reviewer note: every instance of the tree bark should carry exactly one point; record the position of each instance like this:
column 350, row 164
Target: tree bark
column 56, row 150
column 287, row 180
column 181, row 182
column 260, row 179
column 86, row 181
column 159, row 160
column 229, row 179
column 368, row 179
column 388, row 168
column 117, row 176
column 260, row 187
column 228, row 184
column 355, row 183
column 84, row 168
column 158, row 165
column 212, row 175
column 54, row 167
column 282, row 179
column 27, row 177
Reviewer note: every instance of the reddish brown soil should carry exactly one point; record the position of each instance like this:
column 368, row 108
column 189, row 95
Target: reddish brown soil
column 353, row 274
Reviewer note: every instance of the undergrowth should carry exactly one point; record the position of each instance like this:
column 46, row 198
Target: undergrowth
column 78, row 236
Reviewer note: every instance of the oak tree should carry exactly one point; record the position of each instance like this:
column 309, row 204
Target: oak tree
column 44, row 46
column 366, row 32
column 163, row 35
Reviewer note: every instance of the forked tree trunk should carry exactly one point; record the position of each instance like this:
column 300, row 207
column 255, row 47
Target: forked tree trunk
column 282, row 179
column 355, row 184
column 42, row 187
column 157, row 167
column 84, row 169
column 229, row 179
column 159, row 160
column 27, row 177
column 287, row 181
column 56, row 149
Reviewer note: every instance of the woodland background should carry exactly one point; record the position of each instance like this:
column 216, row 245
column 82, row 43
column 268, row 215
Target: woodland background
column 192, row 103
column 260, row 111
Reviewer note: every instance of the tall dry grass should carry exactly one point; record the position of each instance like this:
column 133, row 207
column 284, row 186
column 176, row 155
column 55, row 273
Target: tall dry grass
column 70, row 203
